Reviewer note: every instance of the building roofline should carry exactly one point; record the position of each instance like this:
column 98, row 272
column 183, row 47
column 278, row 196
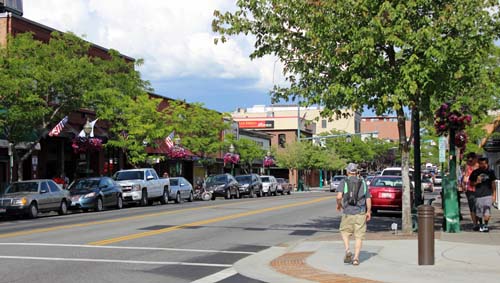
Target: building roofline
column 9, row 14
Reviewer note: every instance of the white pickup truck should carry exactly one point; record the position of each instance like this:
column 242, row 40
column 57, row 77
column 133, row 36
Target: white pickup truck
column 142, row 186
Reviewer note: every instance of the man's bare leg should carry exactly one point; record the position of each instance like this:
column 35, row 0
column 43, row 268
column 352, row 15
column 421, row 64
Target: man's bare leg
column 345, row 238
column 357, row 248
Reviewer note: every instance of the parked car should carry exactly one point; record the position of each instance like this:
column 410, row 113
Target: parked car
column 368, row 179
column 95, row 193
column 250, row 185
column 269, row 185
column 334, row 184
column 427, row 184
column 223, row 185
column 142, row 186
column 387, row 193
column 284, row 187
column 438, row 179
column 396, row 171
column 180, row 189
column 34, row 196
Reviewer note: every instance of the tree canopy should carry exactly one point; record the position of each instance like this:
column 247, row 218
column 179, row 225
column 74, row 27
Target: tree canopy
column 388, row 55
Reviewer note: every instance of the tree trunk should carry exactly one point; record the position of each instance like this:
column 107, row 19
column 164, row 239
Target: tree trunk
column 405, row 169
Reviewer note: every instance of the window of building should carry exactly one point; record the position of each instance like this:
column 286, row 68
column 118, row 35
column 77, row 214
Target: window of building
column 323, row 124
column 281, row 140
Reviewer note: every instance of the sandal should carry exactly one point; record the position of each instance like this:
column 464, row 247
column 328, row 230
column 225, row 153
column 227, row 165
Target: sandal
column 348, row 257
column 355, row 262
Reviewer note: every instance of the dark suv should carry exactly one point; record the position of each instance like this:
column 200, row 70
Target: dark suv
column 250, row 185
column 223, row 185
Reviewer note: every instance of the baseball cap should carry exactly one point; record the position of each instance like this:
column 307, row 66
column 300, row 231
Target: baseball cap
column 352, row 168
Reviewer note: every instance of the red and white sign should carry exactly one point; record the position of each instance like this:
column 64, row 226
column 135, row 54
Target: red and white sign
column 260, row 124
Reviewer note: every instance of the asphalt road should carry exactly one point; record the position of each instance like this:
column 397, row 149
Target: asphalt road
column 161, row 243
column 164, row 243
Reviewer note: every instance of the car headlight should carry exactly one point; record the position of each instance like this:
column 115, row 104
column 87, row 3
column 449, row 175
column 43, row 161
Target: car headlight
column 245, row 186
column 136, row 187
column 22, row 201
column 91, row 195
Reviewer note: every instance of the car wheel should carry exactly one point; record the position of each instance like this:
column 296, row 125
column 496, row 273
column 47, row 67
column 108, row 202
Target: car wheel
column 144, row 198
column 119, row 202
column 33, row 210
column 164, row 197
column 63, row 208
column 252, row 193
column 228, row 194
column 238, row 193
column 289, row 192
column 191, row 197
column 98, row 205
column 178, row 198
column 213, row 196
column 259, row 194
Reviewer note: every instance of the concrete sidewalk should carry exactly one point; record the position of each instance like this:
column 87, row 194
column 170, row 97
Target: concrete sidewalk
column 385, row 257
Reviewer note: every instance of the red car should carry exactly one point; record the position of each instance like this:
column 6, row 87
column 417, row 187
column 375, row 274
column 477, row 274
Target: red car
column 387, row 193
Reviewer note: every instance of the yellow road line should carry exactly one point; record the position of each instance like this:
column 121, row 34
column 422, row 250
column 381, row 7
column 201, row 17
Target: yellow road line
column 202, row 222
column 62, row 227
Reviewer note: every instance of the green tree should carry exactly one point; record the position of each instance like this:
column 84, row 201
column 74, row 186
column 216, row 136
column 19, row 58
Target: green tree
column 41, row 83
column 249, row 152
column 200, row 128
column 133, row 116
column 388, row 55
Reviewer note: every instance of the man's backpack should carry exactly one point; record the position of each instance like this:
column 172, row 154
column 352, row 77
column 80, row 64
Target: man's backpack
column 351, row 190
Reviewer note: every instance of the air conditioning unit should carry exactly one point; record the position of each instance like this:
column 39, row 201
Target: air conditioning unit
column 13, row 6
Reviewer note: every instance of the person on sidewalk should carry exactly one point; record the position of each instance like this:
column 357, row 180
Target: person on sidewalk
column 469, row 188
column 354, row 199
column 483, row 179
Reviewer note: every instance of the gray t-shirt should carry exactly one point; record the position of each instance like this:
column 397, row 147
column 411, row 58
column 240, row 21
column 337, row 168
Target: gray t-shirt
column 360, row 207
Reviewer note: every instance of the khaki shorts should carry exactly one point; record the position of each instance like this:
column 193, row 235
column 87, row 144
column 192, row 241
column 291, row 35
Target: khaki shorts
column 353, row 225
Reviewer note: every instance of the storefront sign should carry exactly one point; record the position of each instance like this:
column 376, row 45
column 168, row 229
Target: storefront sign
column 256, row 124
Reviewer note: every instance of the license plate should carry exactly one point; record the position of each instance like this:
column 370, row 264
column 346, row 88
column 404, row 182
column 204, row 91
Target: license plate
column 386, row 195
column 3, row 210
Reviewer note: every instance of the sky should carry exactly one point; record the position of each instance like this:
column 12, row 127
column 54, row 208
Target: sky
column 175, row 40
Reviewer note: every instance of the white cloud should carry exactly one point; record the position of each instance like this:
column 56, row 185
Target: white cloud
column 174, row 37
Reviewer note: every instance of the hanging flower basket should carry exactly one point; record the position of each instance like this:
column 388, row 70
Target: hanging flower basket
column 231, row 158
column 268, row 161
column 83, row 144
column 447, row 119
column 177, row 153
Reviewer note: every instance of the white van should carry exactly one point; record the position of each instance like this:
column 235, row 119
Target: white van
column 396, row 171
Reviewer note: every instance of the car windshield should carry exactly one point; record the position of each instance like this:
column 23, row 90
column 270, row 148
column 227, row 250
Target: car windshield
column 244, row 179
column 129, row 175
column 85, row 184
column 217, row 179
column 30, row 187
column 387, row 182
column 174, row 182
column 280, row 180
column 338, row 178
column 265, row 179
column 426, row 180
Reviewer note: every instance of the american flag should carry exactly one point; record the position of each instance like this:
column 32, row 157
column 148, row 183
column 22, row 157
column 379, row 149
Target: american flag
column 58, row 128
column 169, row 141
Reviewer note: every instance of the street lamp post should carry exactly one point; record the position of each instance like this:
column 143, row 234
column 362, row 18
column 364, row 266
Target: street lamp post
column 268, row 154
column 231, row 150
column 87, row 129
column 177, row 142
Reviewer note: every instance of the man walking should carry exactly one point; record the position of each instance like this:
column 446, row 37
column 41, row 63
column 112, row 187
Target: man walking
column 483, row 179
column 469, row 188
column 354, row 199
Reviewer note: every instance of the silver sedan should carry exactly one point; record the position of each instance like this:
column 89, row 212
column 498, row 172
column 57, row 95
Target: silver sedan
column 33, row 196
column 180, row 189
